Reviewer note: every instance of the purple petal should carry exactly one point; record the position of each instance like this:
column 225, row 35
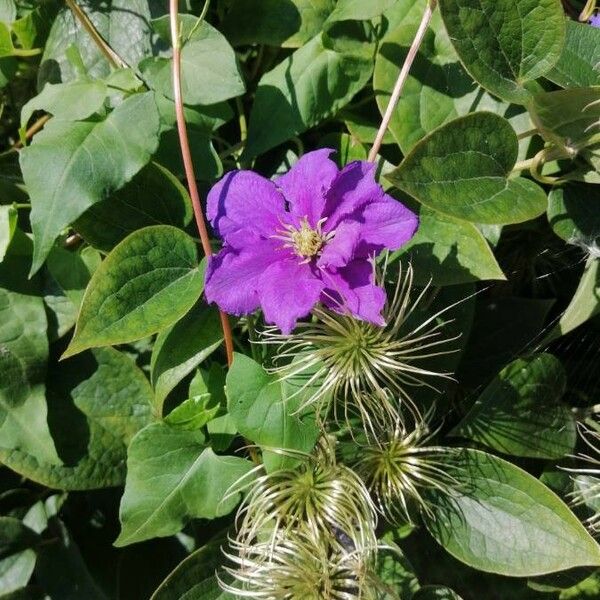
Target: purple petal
column 245, row 200
column 233, row 276
column 595, row 20
column 342, row 248
column 289, row 290
column 353, row 289
column 384, row 224
column 354, row 187
column 306, row 183
column 387, row 223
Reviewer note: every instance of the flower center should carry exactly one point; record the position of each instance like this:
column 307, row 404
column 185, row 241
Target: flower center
column 307, row 241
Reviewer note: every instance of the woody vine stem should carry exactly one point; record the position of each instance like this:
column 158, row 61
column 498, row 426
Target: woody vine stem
column 188, row 163
column 402, row 77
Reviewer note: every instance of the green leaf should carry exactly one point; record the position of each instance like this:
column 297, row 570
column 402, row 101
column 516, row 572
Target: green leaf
column 206, row 119
column 8, row 11
column 193, row 413
column 504, row 44
column 23, row 355
column 502, row 520
column 195, row 577
column 15, row 536
column 7, row 47
column 62, row 313
column 346, row 148
column 586, row 590
column 123, row 24
column 72, row 165
column 577, row 65
column 520, row 411
column 148, row 282
column 32, row 29
column 395, row 571
column 72, row 271
column 449, row 251
column 437, row 90
column 263, row 409
column 15, row 571
column 309, row 86
column 201, row 148
column 568, row 118
column 173, row 477
column 96, row 404
column 359, row 9
column 462, row 170
column 585, row 303
column 154, row 196
column 209, row 72
column 179, row 349
column 73, row 101
column 573, row 214
column 8, row 224
column 274, row 23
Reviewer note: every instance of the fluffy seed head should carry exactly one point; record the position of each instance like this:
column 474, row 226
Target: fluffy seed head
column 401, row 467
column 297, row 567
column 321, row 496
column 587, row 478
column 368, row 369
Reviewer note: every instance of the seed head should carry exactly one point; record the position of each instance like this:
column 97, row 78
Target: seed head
column 587, row 478
column 401, row 467
column 297, row 567
column 322, row 497
column 365, row 368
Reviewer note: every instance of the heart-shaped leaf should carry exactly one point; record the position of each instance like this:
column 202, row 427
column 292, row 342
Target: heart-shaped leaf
column 504, row 44
column 148, row 282
column 462, row 169
column 520, row 412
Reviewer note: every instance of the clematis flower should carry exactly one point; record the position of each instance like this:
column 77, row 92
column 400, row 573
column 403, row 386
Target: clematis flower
column 595, row 20
column 307, row 237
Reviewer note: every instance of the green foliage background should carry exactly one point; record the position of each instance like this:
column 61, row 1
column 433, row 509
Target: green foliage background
column 120, row 429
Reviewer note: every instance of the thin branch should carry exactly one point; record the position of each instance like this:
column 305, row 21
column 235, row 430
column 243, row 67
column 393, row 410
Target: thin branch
column 402, row 77
column 113, row 58
column 188, row 163
column 39, row 124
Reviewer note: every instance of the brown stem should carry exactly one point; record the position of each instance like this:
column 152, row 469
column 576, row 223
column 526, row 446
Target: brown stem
column 188, row 163
column 113, row 58
column 32, row 131
column 402, row 77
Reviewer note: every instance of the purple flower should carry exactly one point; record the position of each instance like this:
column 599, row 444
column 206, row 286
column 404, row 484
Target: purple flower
column 307, row 237
column 595, row 20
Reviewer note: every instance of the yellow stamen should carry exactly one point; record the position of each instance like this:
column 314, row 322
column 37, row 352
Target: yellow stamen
column 305, row 241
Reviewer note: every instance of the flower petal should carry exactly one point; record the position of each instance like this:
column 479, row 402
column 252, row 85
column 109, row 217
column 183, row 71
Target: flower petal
column 233, row 276
column 306, row 183
column 339, row 251
column 353, row 289
column 354, row 187
column 384, row 224
column 387, row 223
column 288, row 291
column 245, row 200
